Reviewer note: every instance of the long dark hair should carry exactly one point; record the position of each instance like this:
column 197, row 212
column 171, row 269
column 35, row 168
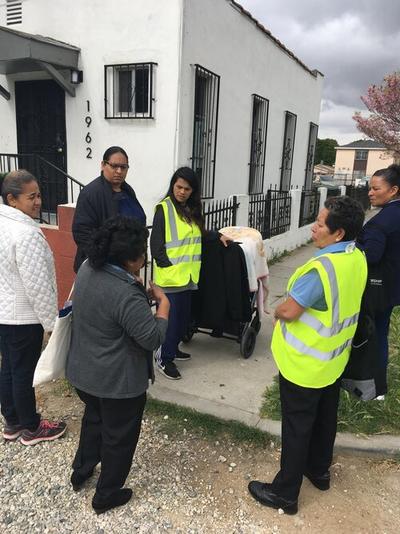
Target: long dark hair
column 192, row 211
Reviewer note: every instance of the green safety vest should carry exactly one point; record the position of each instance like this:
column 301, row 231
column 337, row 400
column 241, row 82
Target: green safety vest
column 314, row 350
column 183, row 247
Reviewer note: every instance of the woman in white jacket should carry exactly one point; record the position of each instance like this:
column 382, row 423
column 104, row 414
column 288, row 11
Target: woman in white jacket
column 28, row 306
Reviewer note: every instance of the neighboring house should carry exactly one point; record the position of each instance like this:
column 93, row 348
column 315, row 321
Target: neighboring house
column 361, row 158
column 183, row 82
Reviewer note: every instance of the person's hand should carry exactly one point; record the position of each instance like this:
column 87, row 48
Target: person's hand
column 156, row 293
column 225, row 240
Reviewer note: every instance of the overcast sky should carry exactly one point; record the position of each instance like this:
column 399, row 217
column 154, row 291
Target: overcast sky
column 353, row 43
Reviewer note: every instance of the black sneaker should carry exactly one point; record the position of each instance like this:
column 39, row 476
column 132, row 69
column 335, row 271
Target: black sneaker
column 12, row 432
column 169, row 370
column 182, row 356
column 46, row 431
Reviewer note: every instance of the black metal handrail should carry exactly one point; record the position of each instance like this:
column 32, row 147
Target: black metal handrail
column 57, row 186
column 309, row 206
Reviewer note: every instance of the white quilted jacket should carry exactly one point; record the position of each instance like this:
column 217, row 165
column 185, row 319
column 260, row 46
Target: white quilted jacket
column 28, row 292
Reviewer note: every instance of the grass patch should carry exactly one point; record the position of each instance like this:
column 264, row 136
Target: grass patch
column 203, row 425
column 276, row 258
column 356, row 416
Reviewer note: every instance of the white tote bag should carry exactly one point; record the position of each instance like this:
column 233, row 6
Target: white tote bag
column 51, row 364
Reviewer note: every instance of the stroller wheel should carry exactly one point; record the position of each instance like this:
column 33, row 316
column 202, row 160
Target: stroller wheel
column 256, row 323
column 248, row 342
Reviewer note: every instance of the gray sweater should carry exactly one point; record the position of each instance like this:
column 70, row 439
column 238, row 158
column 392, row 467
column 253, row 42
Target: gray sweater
column 113, row 334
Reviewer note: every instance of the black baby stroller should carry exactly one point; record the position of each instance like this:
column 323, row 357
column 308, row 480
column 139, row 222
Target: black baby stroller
column 223, row 305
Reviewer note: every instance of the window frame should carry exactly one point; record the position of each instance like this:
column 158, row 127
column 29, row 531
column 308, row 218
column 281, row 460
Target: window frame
column 112, row 97
column 285, row 160
column 257, row 169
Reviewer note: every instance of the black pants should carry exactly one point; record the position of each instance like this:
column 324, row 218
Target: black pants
column 309, row 421
column 109, row 434
column 20, row 347
column 178, row 322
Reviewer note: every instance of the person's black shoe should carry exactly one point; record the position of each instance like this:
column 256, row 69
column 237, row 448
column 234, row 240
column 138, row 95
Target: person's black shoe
column 119, row 498
column 263, row 493
column 169, row 370
column 182, row 356
column 78, row 481
column 322, row 482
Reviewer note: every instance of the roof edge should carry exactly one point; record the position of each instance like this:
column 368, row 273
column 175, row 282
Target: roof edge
column 248, row 15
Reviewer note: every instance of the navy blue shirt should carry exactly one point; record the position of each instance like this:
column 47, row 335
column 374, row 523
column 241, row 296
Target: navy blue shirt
column 380, row 240
column 129, row 207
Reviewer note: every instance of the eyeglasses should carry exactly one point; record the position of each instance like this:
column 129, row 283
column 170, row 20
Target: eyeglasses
column 115, row 166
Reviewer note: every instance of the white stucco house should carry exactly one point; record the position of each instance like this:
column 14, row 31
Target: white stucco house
column 177, row 82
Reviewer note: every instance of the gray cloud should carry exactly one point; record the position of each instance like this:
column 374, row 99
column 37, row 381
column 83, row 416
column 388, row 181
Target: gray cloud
column 354, row 43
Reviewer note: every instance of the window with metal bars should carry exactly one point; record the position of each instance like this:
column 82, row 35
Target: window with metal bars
column 13, row 12
column 205, row 122
column 258, row 144
column 287, row 151
column 312, row 141
column 129, row 90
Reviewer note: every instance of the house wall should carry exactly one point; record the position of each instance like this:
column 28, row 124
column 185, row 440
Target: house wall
column 224, row 41
column 378, row 159
column 344, row 161
column 108, row 33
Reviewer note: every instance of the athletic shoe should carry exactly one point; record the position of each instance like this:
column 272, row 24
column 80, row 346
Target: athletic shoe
column 12, row 432
column 169, row 370
column 46, row 431
column 182, row 356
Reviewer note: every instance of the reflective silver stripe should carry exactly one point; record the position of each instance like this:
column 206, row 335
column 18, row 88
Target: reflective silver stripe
column 196, row 240
column 298, row 345
column 327, row 331
column 178, row 243
column 171, row 219
column 185, row 259
column 337, row 326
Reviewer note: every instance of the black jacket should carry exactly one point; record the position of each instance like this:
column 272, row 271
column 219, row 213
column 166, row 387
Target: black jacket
column 95, row 205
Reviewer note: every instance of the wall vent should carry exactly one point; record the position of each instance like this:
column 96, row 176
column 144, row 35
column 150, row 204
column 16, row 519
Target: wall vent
column 14, row 12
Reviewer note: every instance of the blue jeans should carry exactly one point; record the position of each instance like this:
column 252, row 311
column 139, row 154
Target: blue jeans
column 178, row 322
column 20, row 347
column 382, row 323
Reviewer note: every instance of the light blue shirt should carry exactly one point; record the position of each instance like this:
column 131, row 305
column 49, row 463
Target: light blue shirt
column 308, row 290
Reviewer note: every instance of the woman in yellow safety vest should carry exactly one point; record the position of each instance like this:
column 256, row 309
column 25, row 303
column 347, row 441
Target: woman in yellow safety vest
column 175, row 245
column 311, row 345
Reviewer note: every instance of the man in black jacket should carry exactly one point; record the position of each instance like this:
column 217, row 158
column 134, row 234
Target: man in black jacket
column 107, row 196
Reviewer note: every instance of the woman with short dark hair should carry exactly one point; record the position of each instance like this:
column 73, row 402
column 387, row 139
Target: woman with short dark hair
column 106, row 196
column 110, row 359
column 28, row 306
column 311, row 346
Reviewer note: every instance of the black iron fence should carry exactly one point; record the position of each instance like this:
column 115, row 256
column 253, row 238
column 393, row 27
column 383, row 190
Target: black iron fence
column 270, row 213
column 359, row 193
column 220, row 213
column 309, row 206
column 56, row 186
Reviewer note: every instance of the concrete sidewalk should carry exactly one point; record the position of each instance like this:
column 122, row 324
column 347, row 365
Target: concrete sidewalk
column 220, row 382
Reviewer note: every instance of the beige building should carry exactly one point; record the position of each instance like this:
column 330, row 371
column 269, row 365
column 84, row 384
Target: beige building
column 361, row 158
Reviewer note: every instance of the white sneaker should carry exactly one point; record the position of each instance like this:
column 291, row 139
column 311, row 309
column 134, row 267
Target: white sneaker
column 380, row 398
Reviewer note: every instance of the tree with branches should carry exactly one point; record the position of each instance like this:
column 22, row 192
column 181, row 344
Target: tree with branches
column 383, row 124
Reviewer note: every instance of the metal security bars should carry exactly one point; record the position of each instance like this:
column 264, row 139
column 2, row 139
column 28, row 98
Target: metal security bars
column 258, row 144
column 312, row 141
column 270, row 213
column 287, row 150
column 309, row 206
column 359, row 193
column 56, row 186
column 13, row 12
column 205, row 122
column 220, row 213
column 128, row 91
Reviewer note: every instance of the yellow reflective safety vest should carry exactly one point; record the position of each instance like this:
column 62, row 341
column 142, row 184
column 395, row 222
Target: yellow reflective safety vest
column 314, row 350
column 183, row 248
